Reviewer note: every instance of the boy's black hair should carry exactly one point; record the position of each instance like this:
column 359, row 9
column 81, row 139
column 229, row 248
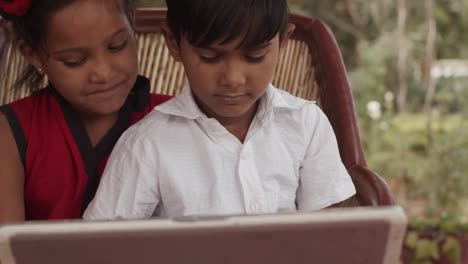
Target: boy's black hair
column 31, row 29
column 205, row 22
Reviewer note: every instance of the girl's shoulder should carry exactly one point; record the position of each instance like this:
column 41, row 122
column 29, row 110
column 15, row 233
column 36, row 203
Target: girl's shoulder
column 30, row 100
column 25, row 115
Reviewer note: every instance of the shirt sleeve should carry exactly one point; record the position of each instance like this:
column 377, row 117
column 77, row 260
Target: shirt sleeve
column 323, row 180
column 129, row 186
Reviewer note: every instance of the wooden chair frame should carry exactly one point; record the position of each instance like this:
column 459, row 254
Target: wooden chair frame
column 322, row 77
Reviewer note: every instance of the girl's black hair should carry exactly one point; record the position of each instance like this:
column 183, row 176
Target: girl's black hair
column 205, row 22
column 31, row 30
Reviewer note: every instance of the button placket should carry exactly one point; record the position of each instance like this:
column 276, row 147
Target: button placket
column 250, row 180
column 219, row 135
column 254, row 207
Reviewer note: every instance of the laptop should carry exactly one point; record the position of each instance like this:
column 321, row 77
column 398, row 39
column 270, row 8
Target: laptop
column 345, row 235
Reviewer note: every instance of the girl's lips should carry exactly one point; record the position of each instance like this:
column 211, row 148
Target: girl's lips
column 108, row 91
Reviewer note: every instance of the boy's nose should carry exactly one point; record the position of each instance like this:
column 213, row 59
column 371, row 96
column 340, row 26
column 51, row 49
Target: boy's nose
column 233, row 75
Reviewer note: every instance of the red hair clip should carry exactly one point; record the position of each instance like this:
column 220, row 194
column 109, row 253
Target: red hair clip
column 14, row 8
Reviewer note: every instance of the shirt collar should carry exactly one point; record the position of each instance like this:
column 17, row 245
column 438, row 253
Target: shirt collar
column 184, row 105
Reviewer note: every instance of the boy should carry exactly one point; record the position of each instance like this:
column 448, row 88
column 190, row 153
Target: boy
column 231, row 143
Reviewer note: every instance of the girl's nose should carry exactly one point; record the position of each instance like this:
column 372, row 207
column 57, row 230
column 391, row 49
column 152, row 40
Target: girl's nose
column 101, row 71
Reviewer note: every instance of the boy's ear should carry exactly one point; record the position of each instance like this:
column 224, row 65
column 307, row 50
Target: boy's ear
column 171, row 42
column 32, row 56
column 287, row 35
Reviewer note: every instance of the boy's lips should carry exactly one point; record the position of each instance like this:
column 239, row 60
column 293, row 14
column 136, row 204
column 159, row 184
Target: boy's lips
column 233, row 99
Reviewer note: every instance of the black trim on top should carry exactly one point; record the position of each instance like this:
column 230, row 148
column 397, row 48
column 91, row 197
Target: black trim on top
column 137, row 101
column 140, row 94
column 17, row 130
column 103, row 148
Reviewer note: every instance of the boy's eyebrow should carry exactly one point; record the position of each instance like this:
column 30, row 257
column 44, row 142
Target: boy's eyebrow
column 206, row 48
column 258, row 46
column 70, row 50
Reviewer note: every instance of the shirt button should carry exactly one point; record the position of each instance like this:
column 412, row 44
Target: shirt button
column 254, row 207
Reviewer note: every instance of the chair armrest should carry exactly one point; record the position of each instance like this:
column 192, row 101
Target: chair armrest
column 371, row 189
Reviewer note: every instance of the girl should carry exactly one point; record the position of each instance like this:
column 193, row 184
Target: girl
column 233, row 143
column 55, row 143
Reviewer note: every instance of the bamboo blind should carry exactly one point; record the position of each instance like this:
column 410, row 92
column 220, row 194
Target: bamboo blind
column 295, row 71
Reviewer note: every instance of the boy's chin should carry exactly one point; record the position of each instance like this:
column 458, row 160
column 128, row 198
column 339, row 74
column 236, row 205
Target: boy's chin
column 233, row 113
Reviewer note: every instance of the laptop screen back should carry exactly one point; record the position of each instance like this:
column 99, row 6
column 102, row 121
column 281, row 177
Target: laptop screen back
column 363, row 235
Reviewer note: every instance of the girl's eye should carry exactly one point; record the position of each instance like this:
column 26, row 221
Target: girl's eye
column 210, row 59
column 74, row 63
column 255, row 59
column 118, row 47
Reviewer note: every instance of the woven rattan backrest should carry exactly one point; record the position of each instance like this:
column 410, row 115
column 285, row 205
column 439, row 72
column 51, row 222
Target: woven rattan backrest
column 295, row 71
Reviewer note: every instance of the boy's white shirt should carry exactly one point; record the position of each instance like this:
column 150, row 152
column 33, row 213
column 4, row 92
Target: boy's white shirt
column 177, row 162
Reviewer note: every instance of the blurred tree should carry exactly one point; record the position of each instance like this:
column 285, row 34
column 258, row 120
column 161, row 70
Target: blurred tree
column 398, row 31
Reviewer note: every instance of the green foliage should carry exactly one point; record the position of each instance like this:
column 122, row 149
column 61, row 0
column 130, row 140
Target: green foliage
column 367, row 79
column 452, row 18
column 452, row 249
column 433, row 239
column 449, row 175
column 425, row 250
column 398, row 148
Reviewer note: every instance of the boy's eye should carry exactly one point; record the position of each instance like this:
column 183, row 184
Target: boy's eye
column 255, row 59
column 210, row 59
column 74, row 63
column 119, row 46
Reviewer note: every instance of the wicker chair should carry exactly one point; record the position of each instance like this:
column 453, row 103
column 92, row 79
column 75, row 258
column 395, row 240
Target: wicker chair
column 310, row 67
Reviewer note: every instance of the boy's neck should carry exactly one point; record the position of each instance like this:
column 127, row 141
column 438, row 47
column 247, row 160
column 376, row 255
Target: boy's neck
column 237, row 126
